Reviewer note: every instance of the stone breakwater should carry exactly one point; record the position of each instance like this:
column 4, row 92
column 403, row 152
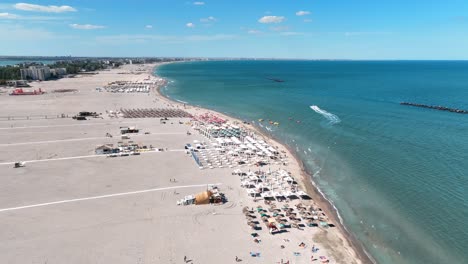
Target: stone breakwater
column 437, row 107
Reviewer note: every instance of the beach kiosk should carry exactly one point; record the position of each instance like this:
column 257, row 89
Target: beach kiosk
column 128, row 130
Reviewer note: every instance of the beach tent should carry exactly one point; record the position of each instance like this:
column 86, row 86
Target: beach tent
column 271, row 220
column 203, row 197
column 236, row 141
column 249, row 139
column 274, row 151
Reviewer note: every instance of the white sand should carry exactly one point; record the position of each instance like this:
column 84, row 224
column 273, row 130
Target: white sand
column 118, row 223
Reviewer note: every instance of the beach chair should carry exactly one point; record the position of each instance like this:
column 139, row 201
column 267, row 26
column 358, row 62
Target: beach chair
column 255, row 254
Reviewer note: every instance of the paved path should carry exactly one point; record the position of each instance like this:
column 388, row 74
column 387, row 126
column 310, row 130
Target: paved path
column 84, row 157
column 110, row 122
column 79, row 139
column 103, row 196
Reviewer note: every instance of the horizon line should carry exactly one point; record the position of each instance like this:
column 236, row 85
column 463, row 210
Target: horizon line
column 217, row 58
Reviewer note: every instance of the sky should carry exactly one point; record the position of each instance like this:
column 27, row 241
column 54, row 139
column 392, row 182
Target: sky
column 297, row 29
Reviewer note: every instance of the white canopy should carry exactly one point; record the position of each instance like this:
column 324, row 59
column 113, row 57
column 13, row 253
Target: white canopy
column 267, row 152
column 250, row 146
column 250, row 139
column 236, row 140
column 272, row 150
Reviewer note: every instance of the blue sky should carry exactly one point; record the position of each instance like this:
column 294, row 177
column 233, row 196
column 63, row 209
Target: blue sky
column 311, row 29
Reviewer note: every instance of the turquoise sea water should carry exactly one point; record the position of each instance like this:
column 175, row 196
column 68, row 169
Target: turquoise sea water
column 398, row 175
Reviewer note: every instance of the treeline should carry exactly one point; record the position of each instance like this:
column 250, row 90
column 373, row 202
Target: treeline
column 74, row 67
column 9, row 73
column 153, row 60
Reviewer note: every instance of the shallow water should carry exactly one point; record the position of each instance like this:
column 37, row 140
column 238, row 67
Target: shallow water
column 397, row 174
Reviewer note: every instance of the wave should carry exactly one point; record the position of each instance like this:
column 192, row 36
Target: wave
column 333, row 119
column 180, row 101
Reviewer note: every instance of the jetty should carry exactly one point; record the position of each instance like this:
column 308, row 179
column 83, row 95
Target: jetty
column 437, row 107
column 274, row 79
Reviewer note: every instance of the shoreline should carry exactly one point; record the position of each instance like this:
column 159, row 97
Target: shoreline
column 305, row 179
column 314, row 191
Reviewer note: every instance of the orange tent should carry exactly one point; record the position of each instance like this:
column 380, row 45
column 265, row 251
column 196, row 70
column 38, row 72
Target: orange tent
column 203, row 198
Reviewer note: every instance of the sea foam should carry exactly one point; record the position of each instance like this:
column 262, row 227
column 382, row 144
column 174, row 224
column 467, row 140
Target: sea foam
column 333, row 119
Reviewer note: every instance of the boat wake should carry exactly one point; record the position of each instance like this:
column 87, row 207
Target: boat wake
column 333, row 119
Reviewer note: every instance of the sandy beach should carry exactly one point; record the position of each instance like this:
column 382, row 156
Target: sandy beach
column 70, row 205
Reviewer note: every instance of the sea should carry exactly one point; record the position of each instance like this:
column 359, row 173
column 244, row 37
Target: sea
column 397, row 175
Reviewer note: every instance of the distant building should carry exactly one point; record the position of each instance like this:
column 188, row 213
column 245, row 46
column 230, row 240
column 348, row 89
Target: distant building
column 106, row 149
column 41, row 73
column 58, row 72
column 128, row 130
column 17, row 83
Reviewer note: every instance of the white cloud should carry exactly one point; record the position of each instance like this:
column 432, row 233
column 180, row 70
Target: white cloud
column 208, row 19
column 302, row 13
column 362, row 33
column 254, row 32
column 190, row 25
column 149, row 26
column 86, row 26
column 199, row 3
column 291, row 33
column 42, row 8
column 8, row 16
column 307, row 20
column 271, row 19
column 209, row 37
